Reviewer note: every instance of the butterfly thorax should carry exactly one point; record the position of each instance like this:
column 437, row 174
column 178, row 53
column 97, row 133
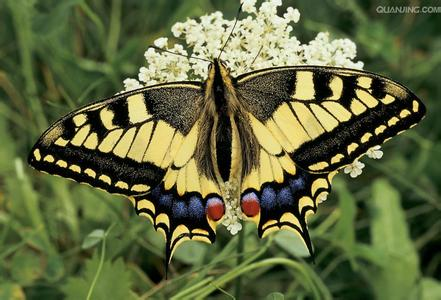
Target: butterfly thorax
column 220, row 89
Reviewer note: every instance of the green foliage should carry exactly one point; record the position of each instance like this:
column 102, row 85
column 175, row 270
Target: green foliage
column 377, row 236
column 93, row 238
column 291, row 243
column 275, row 296
column 390, row 237
column 113, row 282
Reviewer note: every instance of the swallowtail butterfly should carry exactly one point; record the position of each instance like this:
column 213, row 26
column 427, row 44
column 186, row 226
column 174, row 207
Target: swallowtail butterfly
column 280, row 134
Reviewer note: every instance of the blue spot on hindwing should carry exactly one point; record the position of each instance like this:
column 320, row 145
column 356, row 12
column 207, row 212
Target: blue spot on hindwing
column 195, row 208
column 165, row 201
column 179, row 209
column 284, row 197
column 268, row 198
column 296, row 184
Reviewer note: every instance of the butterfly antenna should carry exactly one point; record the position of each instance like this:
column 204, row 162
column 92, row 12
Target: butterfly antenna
column 257, row 55
column 178, row 54
column 232, row 30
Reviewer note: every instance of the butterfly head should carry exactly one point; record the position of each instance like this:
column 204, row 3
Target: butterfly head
column 218, row 68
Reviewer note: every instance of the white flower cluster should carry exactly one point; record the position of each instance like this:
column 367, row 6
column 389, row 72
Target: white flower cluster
column 263, row 37
column 260, row 40
column 233, row 213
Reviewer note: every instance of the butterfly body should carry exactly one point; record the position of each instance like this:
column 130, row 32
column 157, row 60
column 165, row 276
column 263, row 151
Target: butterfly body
column 271, row 139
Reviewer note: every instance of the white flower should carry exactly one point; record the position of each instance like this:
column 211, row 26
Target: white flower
column 233, row 212
column 375, row 152
column 269, row 8
column 354, row 169
column 339, row 53
column 249, row 6
column 161, row 42
column 292, row 14
column 131, row 84
column 178, row 29
column 234, row 228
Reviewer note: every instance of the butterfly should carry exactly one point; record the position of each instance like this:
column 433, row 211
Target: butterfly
column 278, row 134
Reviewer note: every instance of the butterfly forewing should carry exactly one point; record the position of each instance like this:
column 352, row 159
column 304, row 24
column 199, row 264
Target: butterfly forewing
column 123, row 144
column 326, row 117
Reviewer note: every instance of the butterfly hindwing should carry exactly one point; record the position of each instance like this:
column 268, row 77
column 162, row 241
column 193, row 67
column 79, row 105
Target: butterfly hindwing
column 326, row 117
column 124, row 144
column 178, row 217
column 187, row 205
column 277, row 194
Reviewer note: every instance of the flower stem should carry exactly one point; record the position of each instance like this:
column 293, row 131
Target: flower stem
column 100, row 265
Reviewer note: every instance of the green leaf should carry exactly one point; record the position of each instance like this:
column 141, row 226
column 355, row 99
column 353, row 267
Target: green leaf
column 96, row 204
column 344, row 230
column 191, row 253
column 54, row 268
column 93, row 238
column 291, row 243
column 26, row 266
column 275, row 296
column 431, row 289
column 54, row 18
column 114, row 281
column 11, row 291
column 190, row 8
column 389, row 234
column 378, row 40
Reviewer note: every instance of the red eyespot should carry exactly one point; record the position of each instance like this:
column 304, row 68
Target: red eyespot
column 250, row 204
column 215, row 208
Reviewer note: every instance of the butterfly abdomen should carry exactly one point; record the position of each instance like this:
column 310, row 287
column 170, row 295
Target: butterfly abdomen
column 224, row 146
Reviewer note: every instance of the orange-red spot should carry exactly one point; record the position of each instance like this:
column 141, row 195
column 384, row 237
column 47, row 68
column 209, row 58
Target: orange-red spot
column 250, row 205
column 215, row 208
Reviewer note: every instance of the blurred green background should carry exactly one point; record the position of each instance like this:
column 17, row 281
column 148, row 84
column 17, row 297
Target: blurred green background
column 377, row 237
